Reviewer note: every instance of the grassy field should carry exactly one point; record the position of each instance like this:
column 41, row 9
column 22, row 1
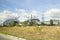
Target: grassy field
column 33, row 33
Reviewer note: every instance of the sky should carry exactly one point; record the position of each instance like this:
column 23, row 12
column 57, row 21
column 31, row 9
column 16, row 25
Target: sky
column 24, row 8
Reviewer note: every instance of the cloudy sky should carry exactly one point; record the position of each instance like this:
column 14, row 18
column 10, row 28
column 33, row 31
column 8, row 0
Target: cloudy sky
column 24, row 8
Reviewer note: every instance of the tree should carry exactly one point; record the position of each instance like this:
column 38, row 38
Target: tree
column 58, row 24
column 11, row 24
column 42, row 23
column 30, row 23
column 33, row 21
column 51, row 22
column 24, row 23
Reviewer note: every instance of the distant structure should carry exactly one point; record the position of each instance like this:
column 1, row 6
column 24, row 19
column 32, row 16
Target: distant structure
column 33, row 19
column 7, row 21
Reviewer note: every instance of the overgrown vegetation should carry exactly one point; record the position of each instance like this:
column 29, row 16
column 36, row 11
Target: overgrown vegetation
column 51, row 22
column 33, row 33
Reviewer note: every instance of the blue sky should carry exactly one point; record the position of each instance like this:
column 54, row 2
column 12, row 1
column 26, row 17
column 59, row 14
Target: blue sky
column 29, row 5
column 41, row 6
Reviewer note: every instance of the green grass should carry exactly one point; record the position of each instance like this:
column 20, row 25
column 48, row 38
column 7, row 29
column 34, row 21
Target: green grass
column 33, row 33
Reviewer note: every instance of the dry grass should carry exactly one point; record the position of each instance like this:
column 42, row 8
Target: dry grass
column 33, row 33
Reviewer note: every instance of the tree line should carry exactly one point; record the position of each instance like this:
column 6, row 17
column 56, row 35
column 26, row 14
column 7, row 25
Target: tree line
column 26, row 23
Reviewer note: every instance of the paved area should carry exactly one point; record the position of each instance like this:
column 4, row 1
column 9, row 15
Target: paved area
column 8, row 37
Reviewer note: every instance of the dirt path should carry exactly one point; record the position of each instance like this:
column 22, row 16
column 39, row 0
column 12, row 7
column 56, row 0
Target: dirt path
column 8, row 37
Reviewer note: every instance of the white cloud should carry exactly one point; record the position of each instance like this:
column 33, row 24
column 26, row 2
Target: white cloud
column 4, row 15
column 24, row 15
column 52, row 14
column 34, row 14
column 21, row 13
